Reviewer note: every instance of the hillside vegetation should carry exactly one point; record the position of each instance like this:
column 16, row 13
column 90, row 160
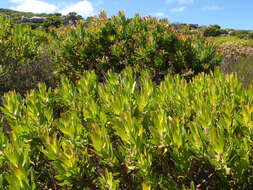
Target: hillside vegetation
column 119, row 104
column 237, row 56
column 42, row 20
column 102, row 44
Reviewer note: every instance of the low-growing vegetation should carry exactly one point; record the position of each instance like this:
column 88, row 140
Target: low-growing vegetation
column 123, row 103
column 128, row 133
column 231, row 39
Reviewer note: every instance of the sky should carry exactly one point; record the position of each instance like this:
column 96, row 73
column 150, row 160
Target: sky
column 235, row 14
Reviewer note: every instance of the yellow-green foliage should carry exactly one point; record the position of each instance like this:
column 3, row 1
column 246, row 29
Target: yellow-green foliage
column 18, row 43
column 125, row 132
column 128, row 133
column 23, row 57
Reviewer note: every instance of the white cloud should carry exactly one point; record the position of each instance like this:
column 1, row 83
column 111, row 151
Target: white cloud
column 84, row 7
column 180, row 1
column 177, row 10
column 35, row 6
column 212, row 8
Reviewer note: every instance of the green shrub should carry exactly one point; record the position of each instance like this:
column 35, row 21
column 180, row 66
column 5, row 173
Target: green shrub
column 128, row 133
column 116, row 43
column 24, row 60
column 53, row 21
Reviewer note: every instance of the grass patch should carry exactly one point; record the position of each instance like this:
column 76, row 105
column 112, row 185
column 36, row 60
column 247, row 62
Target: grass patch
column 230, row 39
column 244, row 70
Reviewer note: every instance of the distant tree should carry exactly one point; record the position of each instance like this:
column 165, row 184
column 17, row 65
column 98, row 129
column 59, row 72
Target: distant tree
column 58, row 14
column 213, row 30
column 55, row 21
column 216, row 26
column 72, row 17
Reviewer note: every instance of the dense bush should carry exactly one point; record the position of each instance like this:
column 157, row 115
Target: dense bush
column 126, row 132
column 99, row 44
column 117, row 42
column 24, row 60
column 129, row 134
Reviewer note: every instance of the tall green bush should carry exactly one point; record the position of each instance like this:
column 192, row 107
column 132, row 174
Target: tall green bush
column 118, row 42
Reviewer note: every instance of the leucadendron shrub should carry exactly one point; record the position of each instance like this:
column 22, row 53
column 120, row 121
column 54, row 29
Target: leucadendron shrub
column 128, row 133
column 24, row 61
column 140, row 42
